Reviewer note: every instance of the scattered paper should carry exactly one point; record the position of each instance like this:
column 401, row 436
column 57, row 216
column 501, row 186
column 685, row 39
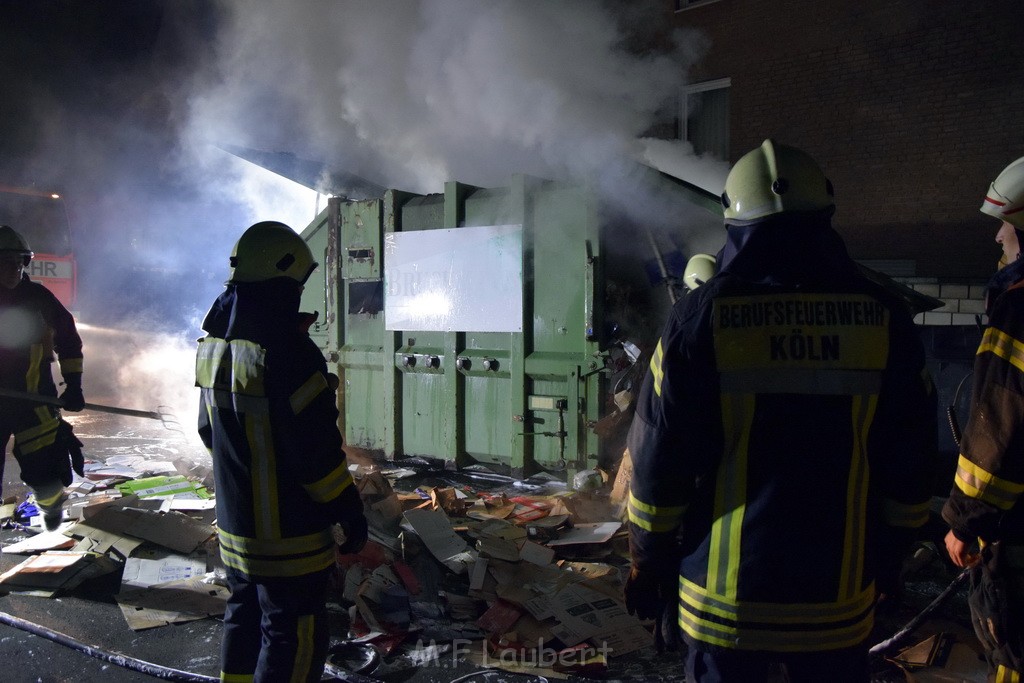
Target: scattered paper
column 435, row 530
column 593, row 532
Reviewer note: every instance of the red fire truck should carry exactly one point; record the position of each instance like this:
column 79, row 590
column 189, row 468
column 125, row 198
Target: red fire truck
column 42, row 219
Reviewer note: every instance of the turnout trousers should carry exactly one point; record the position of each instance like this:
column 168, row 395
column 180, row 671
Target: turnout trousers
column 996, row 601
column 40, row 444
column 275, row 629
column 740, row 666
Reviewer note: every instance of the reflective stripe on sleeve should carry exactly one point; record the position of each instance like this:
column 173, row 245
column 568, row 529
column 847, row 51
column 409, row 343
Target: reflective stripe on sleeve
column 1004, row 346
column 330, row 487
column 305, row 394
column 976, row 482
column 656, row 359
column 71, row 365
column 652, row 517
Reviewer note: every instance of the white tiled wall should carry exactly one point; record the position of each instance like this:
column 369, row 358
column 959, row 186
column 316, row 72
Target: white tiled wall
column 963, row 302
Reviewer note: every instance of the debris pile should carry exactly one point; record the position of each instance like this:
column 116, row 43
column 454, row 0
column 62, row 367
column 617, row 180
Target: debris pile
column 462, row 567
column 493, row 570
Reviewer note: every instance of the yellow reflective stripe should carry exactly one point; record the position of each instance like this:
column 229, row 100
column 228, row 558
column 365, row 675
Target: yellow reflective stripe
column 50, row 500
column 730, row 495
column 245, row 360
column 331, row 486
column 1005, row 675
column 263, row 470
column 776, row 640
column 71, row 366
column 976, row 482
column 656, row 371
column 247, row 367
column 38, row 436
column 296, row 566
column 730, row 608
column 209, row 356
column 304, row 649
column 305, row 394
column 852, row 564
column 653, row 518
column 237, row 678
column 292, row 545
column 35, row 360
column 1002, row 345
column 781, row 627
column 908, row 515
column 47, row 424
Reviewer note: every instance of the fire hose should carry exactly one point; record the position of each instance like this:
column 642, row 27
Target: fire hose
column 148, row 668
column 889, row 643
column 165, row 672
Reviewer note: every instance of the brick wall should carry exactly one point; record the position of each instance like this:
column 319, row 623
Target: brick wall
column 906, row 103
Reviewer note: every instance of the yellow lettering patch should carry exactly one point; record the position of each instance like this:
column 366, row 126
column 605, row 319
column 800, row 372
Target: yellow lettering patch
column 807, row 331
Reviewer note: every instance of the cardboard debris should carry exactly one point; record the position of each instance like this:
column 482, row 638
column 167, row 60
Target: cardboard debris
column 55, row 570
column 171, row 529
column 380, row 503
column 48, row 540
column 943, row 658
column 434, row 529
column 154, row 567
column 171, row 603
column 596, row 532
column 584, row 614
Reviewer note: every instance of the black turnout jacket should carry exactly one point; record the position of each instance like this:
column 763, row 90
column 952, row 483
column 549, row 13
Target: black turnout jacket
column 784, row 434
column 269, row 418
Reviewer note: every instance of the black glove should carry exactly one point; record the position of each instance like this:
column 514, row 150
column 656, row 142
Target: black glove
column 72, row 399
column 356, row 534
column 647, row 592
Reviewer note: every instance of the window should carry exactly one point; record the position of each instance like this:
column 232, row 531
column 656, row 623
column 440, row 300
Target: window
column 704, row 118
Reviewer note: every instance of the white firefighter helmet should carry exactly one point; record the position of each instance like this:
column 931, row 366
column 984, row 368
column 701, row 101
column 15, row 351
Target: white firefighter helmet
column 11, row 240
column 699, row 269
column 269, row 250
column 771, row 179
column 1005, row 197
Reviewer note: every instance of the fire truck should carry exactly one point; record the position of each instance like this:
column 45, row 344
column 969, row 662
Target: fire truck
column 42, row 218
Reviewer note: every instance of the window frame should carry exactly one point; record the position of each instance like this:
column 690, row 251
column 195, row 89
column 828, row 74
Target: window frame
column 684, row 105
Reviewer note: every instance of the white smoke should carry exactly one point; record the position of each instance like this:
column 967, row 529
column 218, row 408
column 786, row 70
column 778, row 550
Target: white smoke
column 412, row 93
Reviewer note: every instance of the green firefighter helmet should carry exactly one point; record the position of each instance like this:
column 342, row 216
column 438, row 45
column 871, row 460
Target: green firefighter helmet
column 772, row 179
column 11, row 240
column 1005, row 196
column 269, row 250
column 699, row 269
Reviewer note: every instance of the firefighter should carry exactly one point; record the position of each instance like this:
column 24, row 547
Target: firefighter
column 268, row 415
column 699, row 269
column 779, row 443
column 34, row 325
column 985, row 510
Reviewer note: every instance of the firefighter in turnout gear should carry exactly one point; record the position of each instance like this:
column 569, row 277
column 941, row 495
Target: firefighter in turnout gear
column 33, row 326
column 268, row 415
column 985, row 509
column 780, row 444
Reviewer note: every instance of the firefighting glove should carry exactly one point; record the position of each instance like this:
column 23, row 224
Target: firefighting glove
column 356, row 534
column 72, row 399
column 647, row 592
column 67, row 439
